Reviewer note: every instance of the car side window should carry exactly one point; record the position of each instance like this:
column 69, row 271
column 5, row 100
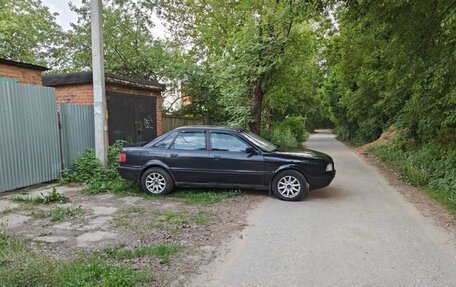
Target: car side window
column 227, row 142
column 164, row 143
column 190, row 141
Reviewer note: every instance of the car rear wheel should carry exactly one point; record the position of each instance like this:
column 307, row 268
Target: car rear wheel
column 289, row 185
column 157, row 181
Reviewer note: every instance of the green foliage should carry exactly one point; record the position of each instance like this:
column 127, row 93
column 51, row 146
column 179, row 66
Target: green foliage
column 431, row 166
column 88, row 170
column 289, row 133
column 52, row 197
column 29, row 32
column 205, row 197
column 384, row 69
column 58, row 213
column 20, row 266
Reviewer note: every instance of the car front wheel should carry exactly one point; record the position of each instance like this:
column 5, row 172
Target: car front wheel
column 289, row 185
column 157, row 181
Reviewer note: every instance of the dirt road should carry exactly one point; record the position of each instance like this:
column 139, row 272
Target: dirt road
column 360, row 231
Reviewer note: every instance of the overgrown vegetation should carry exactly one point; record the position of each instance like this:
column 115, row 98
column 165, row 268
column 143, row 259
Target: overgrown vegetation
column 432, row 167
column 20, row 266
column 57, row 213
column 52, row 197
column 87, row 169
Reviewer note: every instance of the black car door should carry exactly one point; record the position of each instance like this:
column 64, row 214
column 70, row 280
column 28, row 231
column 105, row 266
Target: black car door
column 231, row 164
column 188, row 157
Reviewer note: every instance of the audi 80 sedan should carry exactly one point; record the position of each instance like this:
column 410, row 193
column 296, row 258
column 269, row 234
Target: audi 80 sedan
column 221, row 157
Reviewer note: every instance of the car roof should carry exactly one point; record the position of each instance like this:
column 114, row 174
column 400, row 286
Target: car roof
column 210, row 127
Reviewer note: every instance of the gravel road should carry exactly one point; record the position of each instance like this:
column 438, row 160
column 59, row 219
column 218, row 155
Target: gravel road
column 359, row 231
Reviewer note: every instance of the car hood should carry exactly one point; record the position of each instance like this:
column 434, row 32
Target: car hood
column 304, row 154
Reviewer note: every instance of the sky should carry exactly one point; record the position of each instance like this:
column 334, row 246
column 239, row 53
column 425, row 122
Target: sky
column 66, row 16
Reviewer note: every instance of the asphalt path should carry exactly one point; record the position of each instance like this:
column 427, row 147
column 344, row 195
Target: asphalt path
column 359, row 231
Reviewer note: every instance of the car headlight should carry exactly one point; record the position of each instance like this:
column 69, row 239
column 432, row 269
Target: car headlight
column 329, row 167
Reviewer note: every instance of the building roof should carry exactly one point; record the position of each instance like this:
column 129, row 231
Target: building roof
column 23, row 65
column 53, row 80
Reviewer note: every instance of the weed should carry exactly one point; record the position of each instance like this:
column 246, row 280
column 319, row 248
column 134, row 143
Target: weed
column 88, row 170
column 430, row 166
column 205, row 197
column 20, row 266
column 52, row 197
column 163, row 251
column 57, row 213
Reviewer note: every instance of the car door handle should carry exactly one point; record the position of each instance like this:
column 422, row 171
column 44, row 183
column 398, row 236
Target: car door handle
column 173, row 155
column 217, row 157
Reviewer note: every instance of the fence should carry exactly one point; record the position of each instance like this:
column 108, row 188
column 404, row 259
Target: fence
column 29, row 135
column 172, row 122
column 77, row 131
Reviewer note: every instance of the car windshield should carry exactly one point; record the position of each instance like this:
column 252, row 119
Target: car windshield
column 260, row 142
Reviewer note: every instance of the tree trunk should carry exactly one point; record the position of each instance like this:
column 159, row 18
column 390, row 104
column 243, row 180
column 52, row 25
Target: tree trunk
column 257, row 100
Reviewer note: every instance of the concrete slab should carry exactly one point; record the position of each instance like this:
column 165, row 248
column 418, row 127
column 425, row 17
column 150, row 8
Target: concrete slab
column 63, row 226
column 14, row 220
column 131, row 200
column 97, row 222
column 87, row 238
column 51, row 239
column 103, row 210
column 6, row 204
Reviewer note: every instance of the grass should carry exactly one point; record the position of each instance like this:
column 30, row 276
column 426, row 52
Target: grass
column 163, row 251
column 52, row 197
column 205, row 197
column 58, row 213
column 20, row 266
column 431, row 167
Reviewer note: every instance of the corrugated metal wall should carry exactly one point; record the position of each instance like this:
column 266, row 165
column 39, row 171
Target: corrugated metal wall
column 29, row 135
column 78, row 132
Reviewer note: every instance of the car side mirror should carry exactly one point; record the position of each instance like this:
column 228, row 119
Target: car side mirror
column 250, row 150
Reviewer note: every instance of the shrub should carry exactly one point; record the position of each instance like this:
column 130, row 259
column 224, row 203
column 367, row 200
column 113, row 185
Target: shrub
column 87, row 169
column 430, row 165
column 289, row 133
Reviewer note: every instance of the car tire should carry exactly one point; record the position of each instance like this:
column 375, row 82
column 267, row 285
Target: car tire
column 157, row 181
column 289, row 185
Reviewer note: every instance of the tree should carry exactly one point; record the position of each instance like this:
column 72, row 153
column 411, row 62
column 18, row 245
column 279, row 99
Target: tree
column 242, row 41
column 392, row 62
column 29, row 32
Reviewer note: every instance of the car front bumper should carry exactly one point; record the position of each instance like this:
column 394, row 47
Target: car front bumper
column 320, row 180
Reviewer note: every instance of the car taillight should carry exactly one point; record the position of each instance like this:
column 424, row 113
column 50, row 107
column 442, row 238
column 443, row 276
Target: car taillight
column 122, row 157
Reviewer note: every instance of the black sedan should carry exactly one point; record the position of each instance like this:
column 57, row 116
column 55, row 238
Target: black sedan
column 209, row 156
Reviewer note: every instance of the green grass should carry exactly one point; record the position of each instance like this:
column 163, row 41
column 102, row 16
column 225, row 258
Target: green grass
column 431, row 167
column 205, row 197
column 20, row 266
column 163, row 251
column 58, row 213
column 52, row 197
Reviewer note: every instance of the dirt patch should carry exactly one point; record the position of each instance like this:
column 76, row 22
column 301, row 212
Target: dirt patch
column 384, row 138
column 97, row 223
column 425, row 205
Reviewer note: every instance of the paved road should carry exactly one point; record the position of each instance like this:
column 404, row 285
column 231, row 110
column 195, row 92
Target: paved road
column 358, row 232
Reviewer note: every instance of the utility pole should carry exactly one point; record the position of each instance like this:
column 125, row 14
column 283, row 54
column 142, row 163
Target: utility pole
column 99, row 95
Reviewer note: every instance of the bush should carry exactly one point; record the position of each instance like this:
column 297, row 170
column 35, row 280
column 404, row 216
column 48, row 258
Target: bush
column 429, row 165
column 87, row 169
column 289, row 133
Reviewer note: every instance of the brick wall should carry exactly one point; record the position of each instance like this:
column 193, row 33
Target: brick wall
column 21, row 74
column 75, row 94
